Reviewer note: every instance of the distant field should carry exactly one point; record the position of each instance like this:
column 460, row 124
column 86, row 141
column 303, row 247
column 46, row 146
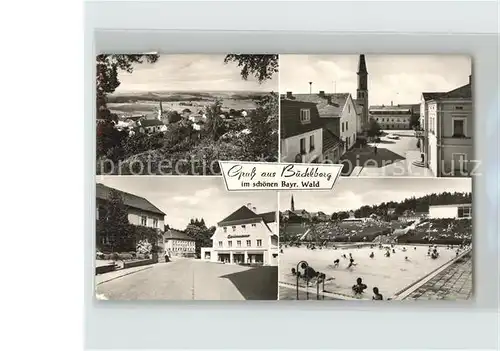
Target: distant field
column 149, row 102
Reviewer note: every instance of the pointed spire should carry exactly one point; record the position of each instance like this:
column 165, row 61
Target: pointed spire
column 292, row 205
column 362, row 65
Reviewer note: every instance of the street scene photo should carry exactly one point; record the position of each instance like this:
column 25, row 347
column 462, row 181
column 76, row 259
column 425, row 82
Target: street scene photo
column 378, row 239
column 181, row 114
column 379, row 115
column 184, row 238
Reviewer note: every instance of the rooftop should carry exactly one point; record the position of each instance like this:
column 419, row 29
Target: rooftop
column 329, row 105
column 177, row 234
column 130, row 200
column 244, row 213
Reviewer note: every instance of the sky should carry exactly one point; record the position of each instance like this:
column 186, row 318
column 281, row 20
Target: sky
column 183, row 198
column 352, row 193
column 190, row 73
column 397, row 78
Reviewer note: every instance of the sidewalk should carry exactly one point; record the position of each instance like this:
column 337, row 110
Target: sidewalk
column 102, row 278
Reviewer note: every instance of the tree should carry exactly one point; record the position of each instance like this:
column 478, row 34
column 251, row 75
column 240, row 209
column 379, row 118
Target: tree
column 198, row 231
column 262, row 142
column 215, row 125
column 262, row 67
column 115, row 226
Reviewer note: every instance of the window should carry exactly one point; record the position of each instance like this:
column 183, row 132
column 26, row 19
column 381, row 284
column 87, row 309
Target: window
column 97, row 213
column 254, row 225
column 464, row 212
column 458, row 127
column 238, row 243
column 349, row 108
column 234, row 228
column 303, row 146
column 259, row 242
column 144, row 220
column 229, row 243
column 305, row 115
column 225, row 229
column 459, row 107
column 311, row 143
column 155, row 222
column 243, row 226
column 249, row 243
column 220, row 243
column 342, row 127
column 346, row 126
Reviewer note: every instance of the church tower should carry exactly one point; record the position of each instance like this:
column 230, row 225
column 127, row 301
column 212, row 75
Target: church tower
column 292, row 205
column 362, row 91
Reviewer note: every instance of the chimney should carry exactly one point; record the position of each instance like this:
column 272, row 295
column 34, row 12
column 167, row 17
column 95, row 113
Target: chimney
column 310, row 87
column 289, row 95
column 322, row 93
column 391, row 103
column 254, row 209
column 249, row 205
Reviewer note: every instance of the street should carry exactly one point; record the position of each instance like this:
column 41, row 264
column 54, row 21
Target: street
column 394, row 157
column 190, row 279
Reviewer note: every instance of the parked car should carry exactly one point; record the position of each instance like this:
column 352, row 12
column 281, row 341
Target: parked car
column 392, row 136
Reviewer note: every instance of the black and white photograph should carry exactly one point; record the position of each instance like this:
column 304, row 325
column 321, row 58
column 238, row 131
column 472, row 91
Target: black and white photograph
column 379, row 115
column 180, row 114
column 378, row 239
column 184, row 238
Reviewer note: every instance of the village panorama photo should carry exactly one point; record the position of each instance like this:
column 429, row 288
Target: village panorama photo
column 180, row 114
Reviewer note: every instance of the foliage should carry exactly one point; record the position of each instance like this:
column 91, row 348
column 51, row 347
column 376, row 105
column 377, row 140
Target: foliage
column 373, row 129
column 215, row 126
column 198, row 231
column 262, row 67
column 413, row 204
column 114, row 224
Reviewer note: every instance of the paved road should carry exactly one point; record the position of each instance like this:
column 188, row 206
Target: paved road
column 189, row 279
column 454, row 283
column 393, row 158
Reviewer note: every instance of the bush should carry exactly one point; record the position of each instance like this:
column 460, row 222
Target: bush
column 125, row 256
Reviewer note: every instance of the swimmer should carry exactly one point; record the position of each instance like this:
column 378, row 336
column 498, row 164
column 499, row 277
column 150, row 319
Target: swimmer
column 336, row 263
column 294, row 272
column 387, row 254
column 415, row 248
column 406, row 258
column 344, row 256
column 372, row 255
column 376, row 294
column 351, row 263
column 393, row 251
column 359, row 287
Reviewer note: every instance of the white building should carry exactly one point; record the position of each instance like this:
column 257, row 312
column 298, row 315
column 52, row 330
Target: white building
column 245, row 237
column 301, row 132
column 177, row 243
column 391, row 117
column 447, row 122
column 457, row 211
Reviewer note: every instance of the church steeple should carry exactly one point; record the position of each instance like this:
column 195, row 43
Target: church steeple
column 362, row 74
column 292, row 205
column 362, row 91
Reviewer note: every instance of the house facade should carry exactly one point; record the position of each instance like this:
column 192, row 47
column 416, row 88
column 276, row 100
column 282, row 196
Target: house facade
column 301, row 132
column 178, row 243
column 140, row 211
column 245, row 237
column 457, row 211
column 446, row 141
